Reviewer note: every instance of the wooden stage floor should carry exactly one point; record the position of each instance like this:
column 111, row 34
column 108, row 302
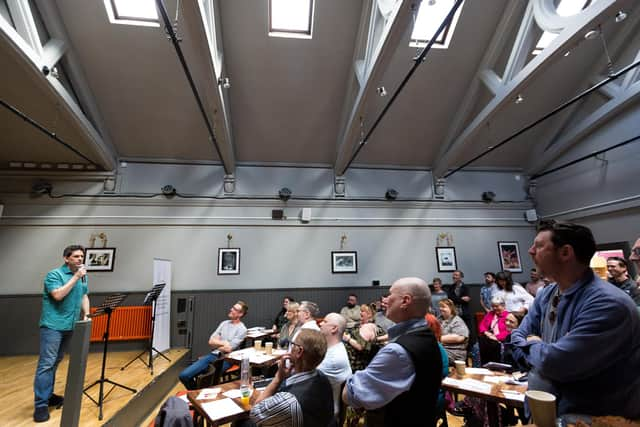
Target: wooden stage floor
column 16, row 386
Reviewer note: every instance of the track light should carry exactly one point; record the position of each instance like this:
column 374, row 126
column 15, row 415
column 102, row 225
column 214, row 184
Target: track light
column 284, row 194
column 621, row 16
column 224, row 82
column 519, row 99
column 391, row 194
column 381, row 91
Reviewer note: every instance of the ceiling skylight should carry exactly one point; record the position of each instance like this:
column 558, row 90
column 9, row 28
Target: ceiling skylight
column 564, row 8
column 290, row 18
column 132, row 12
column 430, row 16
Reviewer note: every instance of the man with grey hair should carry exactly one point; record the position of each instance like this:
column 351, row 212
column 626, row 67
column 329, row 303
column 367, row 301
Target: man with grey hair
column 406, row 373
column 307, row 313
column 335, row 365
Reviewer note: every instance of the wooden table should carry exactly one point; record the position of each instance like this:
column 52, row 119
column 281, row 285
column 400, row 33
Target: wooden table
column 477, row 383
column 210, row 417
column 257, row 359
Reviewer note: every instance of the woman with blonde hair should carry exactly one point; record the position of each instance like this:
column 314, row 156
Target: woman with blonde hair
column 362, row 345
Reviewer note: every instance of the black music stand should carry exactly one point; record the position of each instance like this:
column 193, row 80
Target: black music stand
column 108, row 305
column 151, row 298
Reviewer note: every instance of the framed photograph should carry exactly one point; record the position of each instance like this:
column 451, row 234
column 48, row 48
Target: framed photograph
column 99, row 259
column 446, row 258
column 510, row 257
column 229, row 261
column 344, row 262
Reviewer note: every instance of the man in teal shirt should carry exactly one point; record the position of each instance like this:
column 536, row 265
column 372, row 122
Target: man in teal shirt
column 64, row 299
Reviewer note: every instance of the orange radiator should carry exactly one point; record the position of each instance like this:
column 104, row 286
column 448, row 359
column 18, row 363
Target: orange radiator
column 128, row 323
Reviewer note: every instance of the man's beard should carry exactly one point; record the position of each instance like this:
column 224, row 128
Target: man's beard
column 350, row 305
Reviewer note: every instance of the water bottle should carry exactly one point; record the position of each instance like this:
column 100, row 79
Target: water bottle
column 244, row 370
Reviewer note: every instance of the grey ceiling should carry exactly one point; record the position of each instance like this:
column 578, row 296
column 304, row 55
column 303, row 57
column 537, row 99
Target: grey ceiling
column 289, row 97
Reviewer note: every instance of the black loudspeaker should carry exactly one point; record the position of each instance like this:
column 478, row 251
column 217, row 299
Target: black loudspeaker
column 277, row 214
column 375, row 283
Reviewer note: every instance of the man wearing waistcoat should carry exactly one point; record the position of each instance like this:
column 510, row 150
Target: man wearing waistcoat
column 299, row 395
column 400, row 385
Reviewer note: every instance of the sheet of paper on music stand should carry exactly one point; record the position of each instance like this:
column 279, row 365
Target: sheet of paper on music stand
column 221, row 408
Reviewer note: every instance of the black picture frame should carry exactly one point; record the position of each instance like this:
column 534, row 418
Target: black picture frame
column 228, row 261
column 99, row 259
column 446, row 259
column 344, row 262
column 509, row 254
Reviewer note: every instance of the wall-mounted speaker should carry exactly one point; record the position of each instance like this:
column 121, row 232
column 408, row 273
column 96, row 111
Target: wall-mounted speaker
column 277, row 214
column 305, row 215
column 531, row 215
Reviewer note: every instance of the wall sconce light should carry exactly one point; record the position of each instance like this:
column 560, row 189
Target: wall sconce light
column 339, row 186
column 169, row 190
column 229, row 184
column 488, row 196
column 439, row 188
column 284, row 194
column 224, row 82
column 41, row 187
column 391, row 194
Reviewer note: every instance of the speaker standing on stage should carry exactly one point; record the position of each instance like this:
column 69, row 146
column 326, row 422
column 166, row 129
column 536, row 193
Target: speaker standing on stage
column 64, row 299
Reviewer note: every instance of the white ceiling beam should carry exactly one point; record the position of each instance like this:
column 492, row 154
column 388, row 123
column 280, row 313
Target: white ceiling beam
column 491, row 80
column 385, row 47
column 613, row 89
column 53, row 89
column 522, row 46
column 201, row 21
column 586, row 126
column 74, row 71
column 25, row 24
column 508, row 20
column 574, row 31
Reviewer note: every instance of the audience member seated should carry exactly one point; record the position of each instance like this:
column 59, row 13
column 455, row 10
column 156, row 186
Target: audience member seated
column 299, row 395
column 282, row 318
column 455, row 333
column 437, row 295
column 351, row 312
column 516, row 298
column 434, row 324
column 619, row 277
column 535, row 283
column 487, row 291
column 226, row 338
column 511, row 354
column 335, row 365
column 307, row 312
column 362, row 344
column 493, row 331
column 292, row 325
column 380, row 318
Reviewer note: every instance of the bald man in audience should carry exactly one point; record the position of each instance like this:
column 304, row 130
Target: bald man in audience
column 335, row 365
column 400, row 385
column 581, row 336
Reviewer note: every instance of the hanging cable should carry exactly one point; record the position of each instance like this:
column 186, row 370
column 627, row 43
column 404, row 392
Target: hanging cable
column 553, row 112
column 417, row 61
column 594, row 154
column 44, row 130
column 176, row 44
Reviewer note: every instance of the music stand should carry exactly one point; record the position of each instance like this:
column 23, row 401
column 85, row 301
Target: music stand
column 151, row 298
column 108, row 305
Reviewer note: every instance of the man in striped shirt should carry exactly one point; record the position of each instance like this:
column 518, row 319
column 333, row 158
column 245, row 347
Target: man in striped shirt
column 299, row 395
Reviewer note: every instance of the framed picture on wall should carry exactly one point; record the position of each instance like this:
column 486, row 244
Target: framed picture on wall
column 344, row 262
column 100, row 259
column 510, row 257
column 229, row 261
column 446, row 258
